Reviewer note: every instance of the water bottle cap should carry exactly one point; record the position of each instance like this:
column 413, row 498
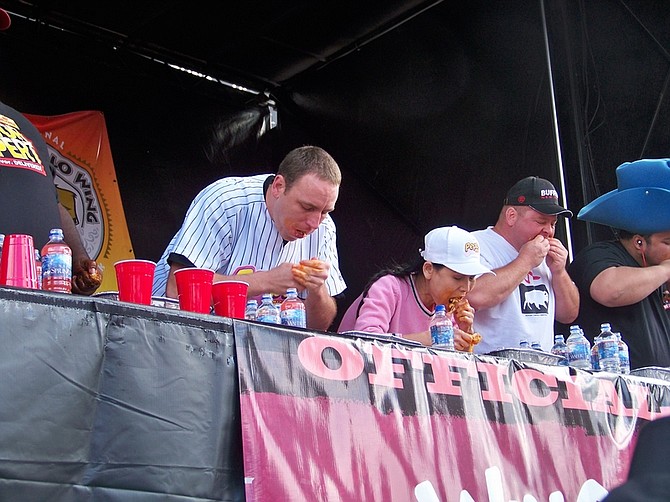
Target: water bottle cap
column 440, row 308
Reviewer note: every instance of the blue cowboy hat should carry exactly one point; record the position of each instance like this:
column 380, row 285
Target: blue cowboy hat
column 640, row 204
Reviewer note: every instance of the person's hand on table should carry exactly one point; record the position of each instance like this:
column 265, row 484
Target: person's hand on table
column 311, row 274
column 86, row 276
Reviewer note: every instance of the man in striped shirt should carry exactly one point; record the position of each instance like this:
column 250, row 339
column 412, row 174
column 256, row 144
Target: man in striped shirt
column 275, row 230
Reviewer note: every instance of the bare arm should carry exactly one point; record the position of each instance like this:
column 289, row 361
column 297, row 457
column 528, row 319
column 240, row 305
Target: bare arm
column 320, row 307
column 566, row 294
column 275, row 281
column 86, row 277
column 71, row 235
column 620, row 286
column 493, row 289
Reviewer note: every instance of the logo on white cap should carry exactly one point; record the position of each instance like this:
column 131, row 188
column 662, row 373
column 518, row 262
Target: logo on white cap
column 454, row 248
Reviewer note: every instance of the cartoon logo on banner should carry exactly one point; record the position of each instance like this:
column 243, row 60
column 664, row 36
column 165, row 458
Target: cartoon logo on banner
column 80, row 154
column 76, row 194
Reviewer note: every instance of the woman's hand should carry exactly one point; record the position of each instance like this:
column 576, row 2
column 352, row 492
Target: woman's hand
column 463, row 312
column 465, row 342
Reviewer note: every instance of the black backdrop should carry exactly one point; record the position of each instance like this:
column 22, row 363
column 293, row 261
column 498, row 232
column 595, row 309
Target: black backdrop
column 431, row 122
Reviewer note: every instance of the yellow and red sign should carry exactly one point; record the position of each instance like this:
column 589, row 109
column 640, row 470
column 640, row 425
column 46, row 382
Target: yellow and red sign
column 87, row 187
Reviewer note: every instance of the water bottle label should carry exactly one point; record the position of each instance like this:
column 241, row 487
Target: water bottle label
column 293, row 317
column 608, row 349
column 579, row 353
column 442, row 335
column 57, row 266
column 268, row 318
column 624, row 360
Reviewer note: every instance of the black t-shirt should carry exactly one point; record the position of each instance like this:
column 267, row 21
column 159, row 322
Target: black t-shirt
column 645, row 326
column 28, row 197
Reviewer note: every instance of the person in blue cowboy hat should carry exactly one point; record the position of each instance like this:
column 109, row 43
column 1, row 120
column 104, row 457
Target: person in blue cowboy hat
column 622, row 281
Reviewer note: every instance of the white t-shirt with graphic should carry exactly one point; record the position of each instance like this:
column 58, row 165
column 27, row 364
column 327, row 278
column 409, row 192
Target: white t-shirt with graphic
column 528, row 313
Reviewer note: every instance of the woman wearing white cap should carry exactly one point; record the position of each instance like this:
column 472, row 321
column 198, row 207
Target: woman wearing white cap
column 402, row 300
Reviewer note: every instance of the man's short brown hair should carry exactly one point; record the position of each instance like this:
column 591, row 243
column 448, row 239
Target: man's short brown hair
column 309, row 160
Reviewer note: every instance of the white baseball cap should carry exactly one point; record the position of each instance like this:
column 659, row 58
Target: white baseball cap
column 454, row 248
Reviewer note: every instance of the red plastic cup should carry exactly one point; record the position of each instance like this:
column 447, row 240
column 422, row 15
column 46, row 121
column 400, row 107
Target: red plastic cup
column 194, row 288
column 135, row 280
column 17, row 267
column 230, row 298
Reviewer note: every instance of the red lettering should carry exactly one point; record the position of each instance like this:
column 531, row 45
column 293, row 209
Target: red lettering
column 523, row 384
column 309, row 354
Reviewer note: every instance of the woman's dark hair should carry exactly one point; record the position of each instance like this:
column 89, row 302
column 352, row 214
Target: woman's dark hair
column 395, row 270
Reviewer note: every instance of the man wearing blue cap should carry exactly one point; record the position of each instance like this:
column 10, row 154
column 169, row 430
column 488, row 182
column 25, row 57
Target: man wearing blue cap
column 622, row 281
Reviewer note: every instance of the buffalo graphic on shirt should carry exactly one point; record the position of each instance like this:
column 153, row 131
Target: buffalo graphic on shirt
column 534, row 299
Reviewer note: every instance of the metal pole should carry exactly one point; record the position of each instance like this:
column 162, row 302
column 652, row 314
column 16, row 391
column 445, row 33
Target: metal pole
column 559, row 157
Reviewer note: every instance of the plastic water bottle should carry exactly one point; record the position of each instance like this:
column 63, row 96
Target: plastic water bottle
column 536, row 346
column 292, row 311
column 56, row 263
column 560, row 349
column 523, row 344
column 251, row 310
column 608, row 349
column 579, row 349
column 595, row 358
column 267, row 312
column 624, row 355
column 442, row 329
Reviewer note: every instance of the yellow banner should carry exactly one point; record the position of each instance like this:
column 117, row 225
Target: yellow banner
column 87, row 187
